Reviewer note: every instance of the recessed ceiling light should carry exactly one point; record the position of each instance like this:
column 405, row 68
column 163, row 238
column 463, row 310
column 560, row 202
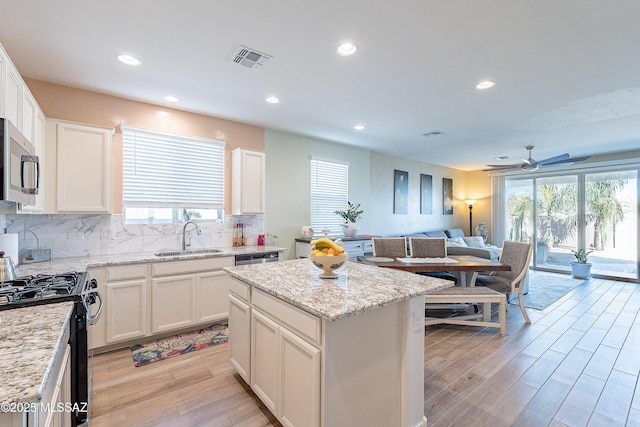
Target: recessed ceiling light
column 272, row 100
column 171, row 98
column 359, row 127
column 129, row 60
column 346, row 49
column 501, row 157
column 487, row 84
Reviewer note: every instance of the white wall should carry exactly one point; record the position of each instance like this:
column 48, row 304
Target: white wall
column 381, row 197
column 370, row 184
column 287, row 182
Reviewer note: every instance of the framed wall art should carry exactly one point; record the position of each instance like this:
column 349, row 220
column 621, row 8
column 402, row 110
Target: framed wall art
column 400, row 192
column 426, row 194
column 447, row 196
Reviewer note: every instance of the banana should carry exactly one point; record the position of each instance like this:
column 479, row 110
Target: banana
column 323, row 242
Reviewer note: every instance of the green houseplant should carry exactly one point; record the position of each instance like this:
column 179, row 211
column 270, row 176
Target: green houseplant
column 350, row 217
column 581, row 268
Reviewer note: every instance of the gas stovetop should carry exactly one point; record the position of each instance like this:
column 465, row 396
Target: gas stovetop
column 40, row 289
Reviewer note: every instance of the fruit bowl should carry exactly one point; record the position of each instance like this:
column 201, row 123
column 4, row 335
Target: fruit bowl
column 329, row 263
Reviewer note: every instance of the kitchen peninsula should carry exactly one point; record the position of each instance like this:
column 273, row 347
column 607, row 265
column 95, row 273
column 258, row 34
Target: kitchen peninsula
column 337, row 352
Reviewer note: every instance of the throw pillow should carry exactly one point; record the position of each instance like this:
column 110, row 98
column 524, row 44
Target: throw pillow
column 456, row 241
column 474, row 241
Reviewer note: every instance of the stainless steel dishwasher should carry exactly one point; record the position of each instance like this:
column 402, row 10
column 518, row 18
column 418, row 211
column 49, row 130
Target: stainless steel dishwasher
column 259, row 258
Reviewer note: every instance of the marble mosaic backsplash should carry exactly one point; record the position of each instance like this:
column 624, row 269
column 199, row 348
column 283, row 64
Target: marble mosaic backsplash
column 93, row 235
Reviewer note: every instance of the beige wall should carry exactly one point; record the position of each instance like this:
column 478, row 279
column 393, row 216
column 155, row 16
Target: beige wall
column 66, row 103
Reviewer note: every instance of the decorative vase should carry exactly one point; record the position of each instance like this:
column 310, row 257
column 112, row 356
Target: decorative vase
column 581, row 270
column 482, row 230
column 350, row 229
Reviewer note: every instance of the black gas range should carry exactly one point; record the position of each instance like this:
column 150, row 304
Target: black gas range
column 27, row 291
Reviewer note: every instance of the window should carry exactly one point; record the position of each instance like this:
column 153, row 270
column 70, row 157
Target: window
column 167, row 178
column 329, row 193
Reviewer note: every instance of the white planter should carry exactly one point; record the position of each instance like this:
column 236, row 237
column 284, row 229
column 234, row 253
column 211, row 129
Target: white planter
column 581, row 271
column 350, row 229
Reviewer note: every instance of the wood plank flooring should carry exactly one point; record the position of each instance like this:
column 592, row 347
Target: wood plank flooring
column 577, row 364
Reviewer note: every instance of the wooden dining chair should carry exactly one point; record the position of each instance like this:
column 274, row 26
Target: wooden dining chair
column 394, row 247
column 431, row 247
column 428, row 247
column 518, row 256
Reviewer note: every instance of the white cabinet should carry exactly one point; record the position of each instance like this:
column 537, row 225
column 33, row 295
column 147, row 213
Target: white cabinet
column 144, row 299
column 186, row 293
column 248, row 182
column 173, row 303
column 125, row 304
column 284, row 357
column 81, row 172
column 126, row 310
column 60, row 396
column 13, row 85
column 239, row 328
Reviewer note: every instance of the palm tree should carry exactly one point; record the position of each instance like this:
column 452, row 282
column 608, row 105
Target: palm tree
column 556, row 211
column 519, row 208
column 604, row 206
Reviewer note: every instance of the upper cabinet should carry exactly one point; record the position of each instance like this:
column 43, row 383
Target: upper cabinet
column 19, row 106
column 248, row 175
column 81, row 172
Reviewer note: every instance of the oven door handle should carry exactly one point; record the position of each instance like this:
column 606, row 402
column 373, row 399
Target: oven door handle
column 92, row 320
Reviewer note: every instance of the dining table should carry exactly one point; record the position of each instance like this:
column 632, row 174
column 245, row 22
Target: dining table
column 466, row 267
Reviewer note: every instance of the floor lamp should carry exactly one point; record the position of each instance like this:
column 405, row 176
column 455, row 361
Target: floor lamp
column 470, row 202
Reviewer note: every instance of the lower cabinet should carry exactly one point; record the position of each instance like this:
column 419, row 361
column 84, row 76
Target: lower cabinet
column 51, row 415
column 240, row 345
column 144, row 299
column 126, row 310
column 173, row 303
column 285, row 372
column 275, row 348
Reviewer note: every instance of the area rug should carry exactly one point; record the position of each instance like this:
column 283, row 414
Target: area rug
column 154, row 351
column 546, row 288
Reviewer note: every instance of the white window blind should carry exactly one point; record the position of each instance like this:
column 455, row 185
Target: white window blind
column 329, row 193
column 166, row 170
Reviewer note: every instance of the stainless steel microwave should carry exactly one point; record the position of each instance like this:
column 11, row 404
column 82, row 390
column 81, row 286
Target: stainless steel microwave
column 20, row 175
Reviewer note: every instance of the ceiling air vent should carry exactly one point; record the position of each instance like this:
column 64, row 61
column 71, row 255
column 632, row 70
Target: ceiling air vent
column 250, row 58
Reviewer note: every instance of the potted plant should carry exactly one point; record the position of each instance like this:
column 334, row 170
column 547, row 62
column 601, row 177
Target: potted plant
column 581, row 268
column 350, row 217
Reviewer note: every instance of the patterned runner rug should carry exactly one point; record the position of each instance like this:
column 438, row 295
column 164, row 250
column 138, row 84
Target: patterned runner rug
column 154, row 351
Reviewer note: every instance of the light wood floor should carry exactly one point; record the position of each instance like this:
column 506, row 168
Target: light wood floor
column 577, row 364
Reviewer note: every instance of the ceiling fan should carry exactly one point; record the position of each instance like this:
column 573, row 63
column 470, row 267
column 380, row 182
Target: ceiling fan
column 531, row 165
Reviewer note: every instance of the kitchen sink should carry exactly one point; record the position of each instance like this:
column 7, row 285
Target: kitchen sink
column 188, row 252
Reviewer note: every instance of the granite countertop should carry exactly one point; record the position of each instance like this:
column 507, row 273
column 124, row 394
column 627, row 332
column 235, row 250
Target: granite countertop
column 61, row 265
column 30, row 337
column 358, row 287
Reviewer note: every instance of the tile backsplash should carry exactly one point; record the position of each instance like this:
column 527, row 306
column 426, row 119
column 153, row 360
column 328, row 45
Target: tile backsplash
column 93, row 235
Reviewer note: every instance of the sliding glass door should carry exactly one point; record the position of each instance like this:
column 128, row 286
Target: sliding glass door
column 611, row 209
column 560, row 213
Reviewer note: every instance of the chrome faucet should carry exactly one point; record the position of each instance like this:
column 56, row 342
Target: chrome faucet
column 184, row 234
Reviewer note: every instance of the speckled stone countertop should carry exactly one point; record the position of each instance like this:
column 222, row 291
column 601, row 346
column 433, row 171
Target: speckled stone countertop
column 358, row 287
column 29, row 339
column 62, row 265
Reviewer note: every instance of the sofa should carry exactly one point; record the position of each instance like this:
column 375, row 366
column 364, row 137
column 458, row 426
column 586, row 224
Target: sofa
column 459, row 244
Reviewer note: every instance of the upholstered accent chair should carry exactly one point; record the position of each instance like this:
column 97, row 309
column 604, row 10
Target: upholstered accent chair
column 431, row 247
column 394, row 247
column 518, row 256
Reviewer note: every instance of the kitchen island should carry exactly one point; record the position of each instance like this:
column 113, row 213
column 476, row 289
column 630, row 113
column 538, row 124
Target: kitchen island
column 331, row 352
